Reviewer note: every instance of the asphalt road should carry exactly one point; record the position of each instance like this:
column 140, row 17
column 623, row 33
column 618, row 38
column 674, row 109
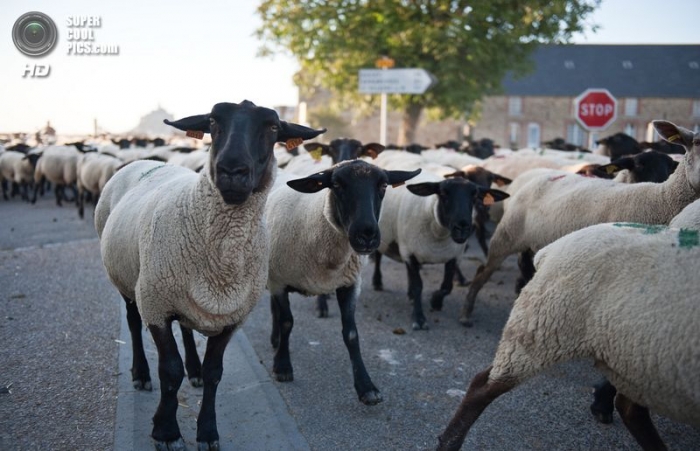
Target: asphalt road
column 65, row 360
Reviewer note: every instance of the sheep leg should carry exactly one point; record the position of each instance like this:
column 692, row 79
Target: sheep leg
column 4, row 190
column 637, row 420
column 275, row 335
column 140, row 373
column 500, row 249
column 482, row 217
column 81, row 203
column 415, row 290
column 207, row 433
column 377, row 276
column 527, row 270
column 166, row 431
column 322, row 306
column 192, row 363
column 59, row 195
column 37, row 187
column 480, row 394
column 603, row 401
column 366, row 391
column 282, row 366
column 446, row 287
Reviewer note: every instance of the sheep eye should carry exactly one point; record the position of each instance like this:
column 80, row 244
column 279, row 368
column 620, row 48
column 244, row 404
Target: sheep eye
column 336, row 185
column 274, row 128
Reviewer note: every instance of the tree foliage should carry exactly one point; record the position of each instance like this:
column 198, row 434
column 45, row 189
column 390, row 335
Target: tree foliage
column 468, row 45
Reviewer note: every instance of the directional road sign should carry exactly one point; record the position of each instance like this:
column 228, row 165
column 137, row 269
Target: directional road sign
column 395, row 81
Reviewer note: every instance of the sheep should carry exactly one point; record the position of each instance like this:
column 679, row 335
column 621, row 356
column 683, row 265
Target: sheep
column 319, row 240
column 432, row 228
column 549, row 206
column 320, row 156
column 8, row 160
column 617, row 145
column 636, row 316
column 193, row 247
column 58, row 165
column 649, row 166
column 688, row 218
column 94, row 171
column 450, row 158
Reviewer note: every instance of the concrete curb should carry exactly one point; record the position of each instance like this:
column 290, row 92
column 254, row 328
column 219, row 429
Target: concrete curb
column 251, row 413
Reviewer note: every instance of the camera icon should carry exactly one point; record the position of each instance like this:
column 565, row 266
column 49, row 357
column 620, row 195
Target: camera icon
column 34, row 34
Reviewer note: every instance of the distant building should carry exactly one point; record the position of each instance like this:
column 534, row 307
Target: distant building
column 649, row 81
column 151, row 125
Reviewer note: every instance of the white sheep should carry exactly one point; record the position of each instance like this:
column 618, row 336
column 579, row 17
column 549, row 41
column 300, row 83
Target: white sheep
column 319, row 242
column 58, row 165
column 625, row 296
column 8, row 161
column 194, row 248
column 429, row 222
column 688, row 218
column 550, row 206
column 94, row 171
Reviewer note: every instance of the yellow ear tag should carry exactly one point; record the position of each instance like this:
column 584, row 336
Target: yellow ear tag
column 316, row 154
column 293, row 142
column 610, row 169
column 489, row 200
column 674, row 137
column 372, row 153
column 396, row 185
column 194, row 134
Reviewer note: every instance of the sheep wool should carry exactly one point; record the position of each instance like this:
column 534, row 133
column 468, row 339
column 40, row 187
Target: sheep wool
column 636, row 314
column 167, row 236
column 689, row 218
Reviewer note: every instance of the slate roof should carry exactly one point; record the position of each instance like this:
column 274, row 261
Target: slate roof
column 625, row 70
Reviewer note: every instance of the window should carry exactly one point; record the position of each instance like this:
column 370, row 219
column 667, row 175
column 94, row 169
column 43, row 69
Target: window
column 515, row 106
column 574, row 134
column 696, row 128
column 533, row 135
column 631, row 130
column 592, row 138
column 631, row 107
column 513, row 134
column 696, row 108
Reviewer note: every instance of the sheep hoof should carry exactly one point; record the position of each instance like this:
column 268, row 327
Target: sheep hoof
column 371, row 398
column 322, row 313
column 466, row 322
column 208, row 446
column 196, row 382
column 378, row 287
column 420, row 325
column 143, row 385
column 287, row 376
column 436, row 301
column 602, row 417
column 177, row 445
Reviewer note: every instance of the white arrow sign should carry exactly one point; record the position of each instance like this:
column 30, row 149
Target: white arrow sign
column 395, row 81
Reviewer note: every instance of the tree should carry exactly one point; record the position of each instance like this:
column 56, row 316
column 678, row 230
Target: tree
column 468, row 45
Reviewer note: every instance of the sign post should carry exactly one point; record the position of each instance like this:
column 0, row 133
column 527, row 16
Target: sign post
column 595, row 110
column 393, row 81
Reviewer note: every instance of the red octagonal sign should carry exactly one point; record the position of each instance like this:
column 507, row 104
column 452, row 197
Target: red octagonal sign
column 596, row 109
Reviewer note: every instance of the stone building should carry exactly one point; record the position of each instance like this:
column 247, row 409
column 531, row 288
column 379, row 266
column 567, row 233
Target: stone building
column 649, row 82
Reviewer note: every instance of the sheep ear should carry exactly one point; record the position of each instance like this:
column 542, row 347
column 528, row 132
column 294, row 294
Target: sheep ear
column 398, row 178
column 674, row 165
column 372, row 150
column 491, row 196
column 674, row 134
column 313, row 183
column 424, row 189
column 455, row 175
column 198, row 123
column 317, row 150
column 289, row 130
column 500, row 180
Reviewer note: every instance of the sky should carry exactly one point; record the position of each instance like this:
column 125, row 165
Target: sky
column 185, row 56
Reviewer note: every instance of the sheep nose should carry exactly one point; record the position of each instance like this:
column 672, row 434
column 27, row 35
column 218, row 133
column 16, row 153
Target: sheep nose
column 235, row 172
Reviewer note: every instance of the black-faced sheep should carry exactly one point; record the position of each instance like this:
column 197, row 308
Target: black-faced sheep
column 193, row 248
column 319, row 242
column 549, row 206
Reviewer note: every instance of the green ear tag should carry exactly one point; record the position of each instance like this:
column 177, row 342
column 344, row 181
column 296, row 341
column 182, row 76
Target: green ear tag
column 316, row 154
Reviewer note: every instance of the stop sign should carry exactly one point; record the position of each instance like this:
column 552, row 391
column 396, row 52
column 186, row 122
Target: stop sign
column 595, row 109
